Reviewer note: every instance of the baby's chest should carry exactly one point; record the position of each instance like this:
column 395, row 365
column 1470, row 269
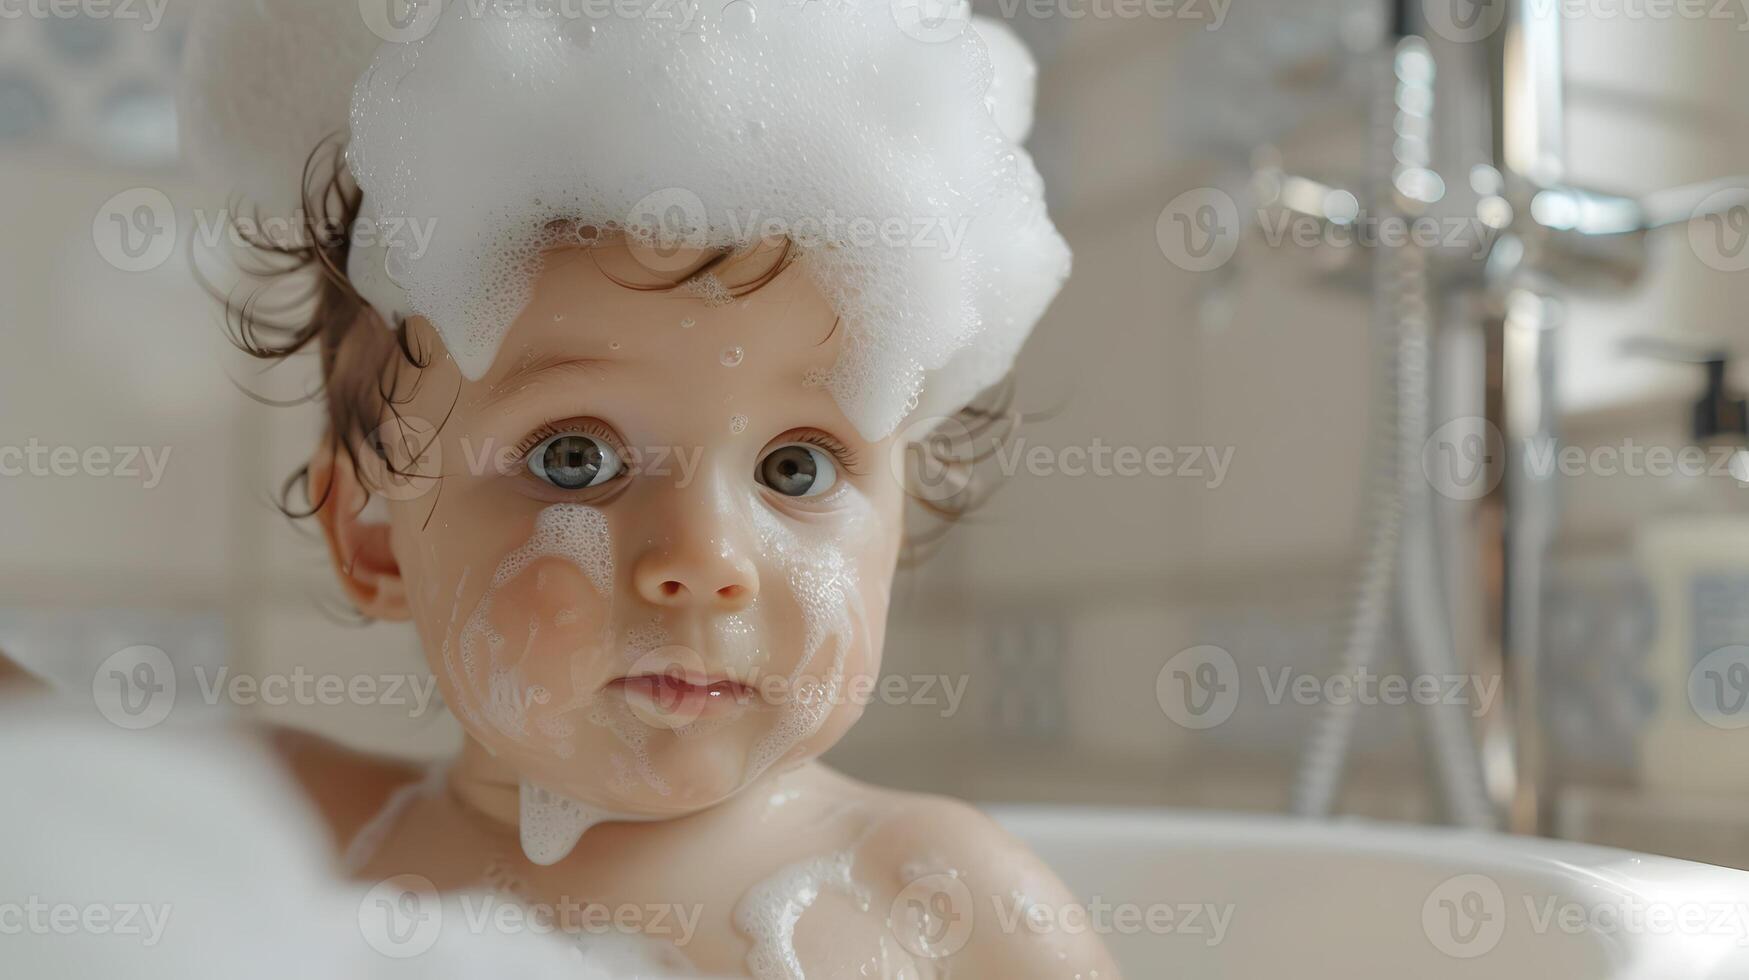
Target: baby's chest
column 790, row 919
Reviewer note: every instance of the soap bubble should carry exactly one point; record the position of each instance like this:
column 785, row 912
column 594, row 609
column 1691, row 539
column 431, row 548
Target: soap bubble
column 401, row 21
column 398, row 266
column 739, row 16
column 932, row 21
column 579, row 32
column 790, row 116
column 668, row 227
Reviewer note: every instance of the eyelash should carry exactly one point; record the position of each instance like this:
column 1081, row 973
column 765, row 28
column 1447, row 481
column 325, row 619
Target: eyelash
column 588, row 427
column 846, row 457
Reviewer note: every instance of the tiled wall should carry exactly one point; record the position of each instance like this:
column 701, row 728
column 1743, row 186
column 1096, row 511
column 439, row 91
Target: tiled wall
column 1058, row 605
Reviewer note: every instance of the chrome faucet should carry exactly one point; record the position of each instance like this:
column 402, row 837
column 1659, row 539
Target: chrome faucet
column 1535, row 238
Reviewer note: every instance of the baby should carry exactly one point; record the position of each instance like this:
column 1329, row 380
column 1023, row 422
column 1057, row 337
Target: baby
column 648, row 662
column 638, row 480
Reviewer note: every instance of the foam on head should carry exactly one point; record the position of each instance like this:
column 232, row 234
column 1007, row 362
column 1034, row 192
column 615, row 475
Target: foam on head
column 868, row 143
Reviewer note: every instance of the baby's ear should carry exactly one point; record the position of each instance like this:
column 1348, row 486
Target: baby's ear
column 356, row 525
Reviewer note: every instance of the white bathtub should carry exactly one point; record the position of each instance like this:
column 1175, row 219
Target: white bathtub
column 1361, row 900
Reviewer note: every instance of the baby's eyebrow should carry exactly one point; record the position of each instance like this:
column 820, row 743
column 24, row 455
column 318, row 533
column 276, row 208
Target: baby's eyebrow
column 540, row 369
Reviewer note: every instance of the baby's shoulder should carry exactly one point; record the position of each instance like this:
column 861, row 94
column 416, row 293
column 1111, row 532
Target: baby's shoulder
column 918, row 828
column 973, row 893
column 926, row 827
column 929, row 843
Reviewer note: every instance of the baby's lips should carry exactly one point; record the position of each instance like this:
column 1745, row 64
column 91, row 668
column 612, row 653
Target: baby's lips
column 662, row 706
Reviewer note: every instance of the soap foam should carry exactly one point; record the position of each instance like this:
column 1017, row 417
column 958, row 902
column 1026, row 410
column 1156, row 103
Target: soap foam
column 767, row 915
column 491, row 668
column 818, row 120
column 552, row 824
column 768, row 912
column 824, row 583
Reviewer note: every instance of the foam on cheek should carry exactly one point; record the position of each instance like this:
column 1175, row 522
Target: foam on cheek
column 823, row 581
column 489, row 668
column 492, row 665
column 615, row 715
column 579, row 534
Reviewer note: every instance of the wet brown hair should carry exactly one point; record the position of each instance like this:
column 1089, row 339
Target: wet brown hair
column 362, row 369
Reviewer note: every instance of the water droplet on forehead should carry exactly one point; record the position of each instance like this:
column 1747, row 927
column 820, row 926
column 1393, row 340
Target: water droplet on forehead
column 733, row 356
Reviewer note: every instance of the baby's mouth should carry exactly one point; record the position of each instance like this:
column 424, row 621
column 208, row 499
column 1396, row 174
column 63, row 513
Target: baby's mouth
column 672, row 699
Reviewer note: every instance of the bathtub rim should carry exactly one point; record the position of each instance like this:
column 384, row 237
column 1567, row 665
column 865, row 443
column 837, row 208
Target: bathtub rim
column 1472, row 850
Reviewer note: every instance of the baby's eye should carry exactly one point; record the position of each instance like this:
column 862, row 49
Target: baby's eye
column 574, row 461
column 798, row 470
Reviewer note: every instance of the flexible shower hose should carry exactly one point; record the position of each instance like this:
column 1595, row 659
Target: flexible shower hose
column 1400, row 546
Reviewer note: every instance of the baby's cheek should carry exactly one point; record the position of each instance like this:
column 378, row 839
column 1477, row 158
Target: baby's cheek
column 862, row 660
column 550, row 622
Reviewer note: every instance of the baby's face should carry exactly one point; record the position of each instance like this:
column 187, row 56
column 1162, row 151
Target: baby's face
column 658, row 560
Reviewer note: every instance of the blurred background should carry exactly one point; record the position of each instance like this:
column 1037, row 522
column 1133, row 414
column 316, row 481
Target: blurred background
column 1074, row 606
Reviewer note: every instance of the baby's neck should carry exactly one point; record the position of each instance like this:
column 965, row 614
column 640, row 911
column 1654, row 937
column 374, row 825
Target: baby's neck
column 489, row 792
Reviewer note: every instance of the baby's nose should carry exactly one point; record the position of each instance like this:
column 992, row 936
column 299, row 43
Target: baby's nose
column 715, row 577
